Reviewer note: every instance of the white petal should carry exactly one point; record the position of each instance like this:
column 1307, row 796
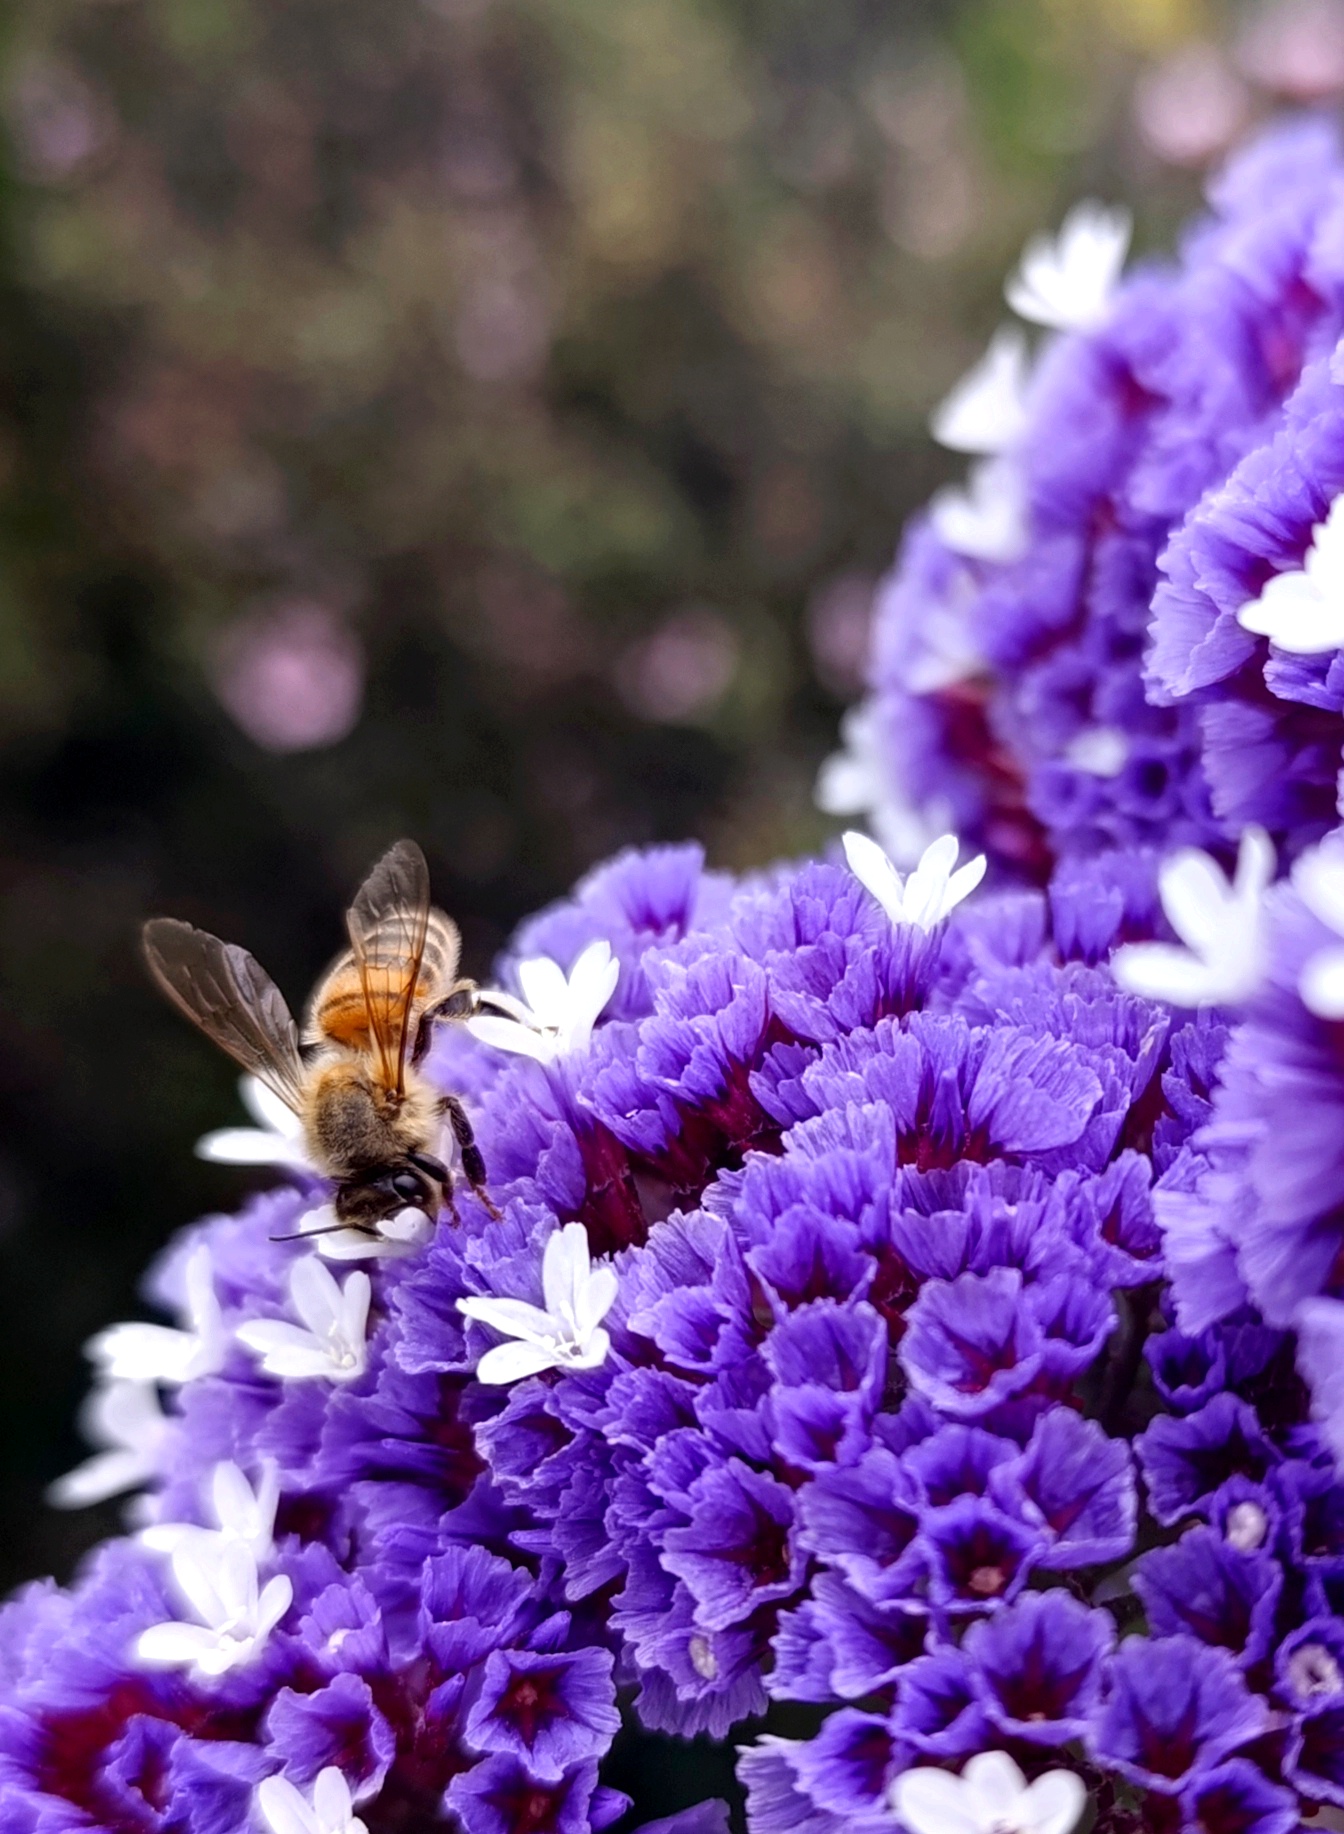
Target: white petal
column 1255, row 865
column 994, row 1784
column 598, row 1298
column 511, row 1362
column 249, row 1146
column 565, row 1267
column 933, row 1802
column 986, row 410
column 124, row 1413
column 515, row 1317
column 988, row 519
column 875, row 872
column 1296, row 616
column 846, row 785
column 277, row 1595
column 1195, row 896
column 286, row 1350
column 963, row 882
column 408, row 1227
column 355, row 1296
column 284, row 1809
column 267, row 1109
column 1055, row 1802
column 144, row 1353
column 1321, row 984
column 104, row 1475
column 1160, row 971
column 174, row 1645
column 1066, row 283
column 1318, row 879
column 546, row 990
column 519, row 1040
column 331, row 1800
column 315, row 1295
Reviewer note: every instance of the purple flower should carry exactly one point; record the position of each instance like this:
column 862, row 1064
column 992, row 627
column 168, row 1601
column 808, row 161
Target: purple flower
column 1172, row 1706
column 1213, row 1592
column 551, row 1711
column 1037, row 1667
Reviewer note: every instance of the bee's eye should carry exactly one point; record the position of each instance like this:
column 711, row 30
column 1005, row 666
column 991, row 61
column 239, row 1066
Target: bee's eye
column 409, row 1185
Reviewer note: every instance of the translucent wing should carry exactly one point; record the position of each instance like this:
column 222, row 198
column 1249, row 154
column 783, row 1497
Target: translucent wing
column 389, row 922
column 221, row 988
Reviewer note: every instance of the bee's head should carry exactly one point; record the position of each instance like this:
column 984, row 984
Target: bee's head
column 415, row 1182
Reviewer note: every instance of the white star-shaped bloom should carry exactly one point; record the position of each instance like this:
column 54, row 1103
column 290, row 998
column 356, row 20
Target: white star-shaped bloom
column 567, row 1333
column 277, row 1138
column 1222, row 926
column 854, row 781
column 987, row 409
column 1067, row 281
column 926, row 895
column 330, row 1811
column 125, row 1421
column 332, row 1341
column 164, row 1353
column 217, row 1577
column 1302, row 611
column 240, row 1512
column 1318, row 879
column 987, row 519
column 398, row 1235
column 991, row 1796
column 557, row 1013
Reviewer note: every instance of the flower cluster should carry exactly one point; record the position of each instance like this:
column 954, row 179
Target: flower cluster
column 1125, row 630
column 905, row 1339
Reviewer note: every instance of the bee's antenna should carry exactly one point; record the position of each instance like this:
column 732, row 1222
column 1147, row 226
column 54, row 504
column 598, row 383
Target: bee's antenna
column 307, row 1235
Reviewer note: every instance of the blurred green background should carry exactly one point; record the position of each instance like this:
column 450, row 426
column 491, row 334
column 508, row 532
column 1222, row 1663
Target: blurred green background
column 477, row 419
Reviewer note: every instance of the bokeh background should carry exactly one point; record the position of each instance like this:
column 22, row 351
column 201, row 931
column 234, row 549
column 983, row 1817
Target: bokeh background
column 477, row 419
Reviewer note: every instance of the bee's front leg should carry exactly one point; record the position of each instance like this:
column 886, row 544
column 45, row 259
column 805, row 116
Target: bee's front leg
column 473, row 1166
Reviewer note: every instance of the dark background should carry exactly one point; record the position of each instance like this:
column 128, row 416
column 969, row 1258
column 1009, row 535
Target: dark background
column 480, row 420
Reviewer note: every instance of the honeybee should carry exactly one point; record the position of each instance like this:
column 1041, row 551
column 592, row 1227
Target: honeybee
column 371, row 1118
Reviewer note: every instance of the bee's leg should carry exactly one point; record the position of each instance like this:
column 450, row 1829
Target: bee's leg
column 460, row 1003
column 472, row 1163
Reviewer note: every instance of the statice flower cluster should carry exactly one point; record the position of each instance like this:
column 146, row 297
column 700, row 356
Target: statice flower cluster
column 1125, row 629
column 821, row 1390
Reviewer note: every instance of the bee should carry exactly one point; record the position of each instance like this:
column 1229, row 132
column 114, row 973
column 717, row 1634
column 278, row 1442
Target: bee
column 371, row 1119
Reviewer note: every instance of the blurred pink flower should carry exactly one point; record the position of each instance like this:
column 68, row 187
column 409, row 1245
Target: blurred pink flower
column 292, row 676
column 1191, row 106
column 58, row 122
column 682, row 669
column 839, row 615
column 1295, row 48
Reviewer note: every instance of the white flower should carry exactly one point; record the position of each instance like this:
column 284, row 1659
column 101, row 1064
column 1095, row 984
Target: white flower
column 1221, row 925
column 568, row 1333
column 396, row 1235
column 125, row 1419
column 1101, row 751
column 1302, row 611
column 241, row 1514
column 987, row 410
column 987, row 520
column 991, row 1796
column 277, row 1138
column 557, row 1013
column 1318, row 879
column 285, row 1811
column 930, row 892
column 854, row 781
column 332, row 1340
column 162, row 1353
column 1066, row 282
column 217, row 1576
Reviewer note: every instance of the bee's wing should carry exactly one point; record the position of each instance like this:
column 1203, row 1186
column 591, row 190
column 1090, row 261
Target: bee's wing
column 388, row 923
column 221, row 988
